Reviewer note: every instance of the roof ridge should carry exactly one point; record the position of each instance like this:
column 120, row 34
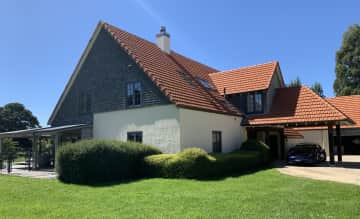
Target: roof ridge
column 239, row 68
column 344, row 96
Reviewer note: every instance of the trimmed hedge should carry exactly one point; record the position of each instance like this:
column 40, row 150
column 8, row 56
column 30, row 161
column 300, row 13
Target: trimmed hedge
column 261, row 147
column 92, row 161
column 196, row 163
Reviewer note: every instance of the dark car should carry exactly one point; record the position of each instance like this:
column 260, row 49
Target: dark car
column 306, row 154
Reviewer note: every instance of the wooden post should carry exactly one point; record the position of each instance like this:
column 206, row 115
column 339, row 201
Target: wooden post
column 282, row 144
column 338, row 142
column 35, row 152
column 1, row 161
column 331, row 143
column 56, row 145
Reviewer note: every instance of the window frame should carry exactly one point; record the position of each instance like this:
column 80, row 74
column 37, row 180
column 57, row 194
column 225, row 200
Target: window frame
column 137, row 136
column 85, row 103
column 216, row 138
column 253, row 109
column 135, row 99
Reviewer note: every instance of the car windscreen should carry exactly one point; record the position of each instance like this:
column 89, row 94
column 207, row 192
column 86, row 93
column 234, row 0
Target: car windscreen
column 303, row 150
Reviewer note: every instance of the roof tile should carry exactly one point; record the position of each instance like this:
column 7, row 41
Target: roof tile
column 240, row 80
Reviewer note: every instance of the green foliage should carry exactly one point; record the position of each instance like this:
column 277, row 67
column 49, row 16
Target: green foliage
column 196, row 163
column 14, row 116
column 261, row 147
column 295, row 83
column 92, row 161
column 347, row 80
column 9, row 149
column 317, row 88
column 263, row 194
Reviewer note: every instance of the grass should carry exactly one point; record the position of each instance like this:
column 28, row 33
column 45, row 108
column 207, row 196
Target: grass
column 263, row 194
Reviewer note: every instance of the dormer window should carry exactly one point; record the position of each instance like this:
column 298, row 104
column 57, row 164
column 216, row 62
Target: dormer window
column 254, row 103
column 205, row 83
column 134, row 94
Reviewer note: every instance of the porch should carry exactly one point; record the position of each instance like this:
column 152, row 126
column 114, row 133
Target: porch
column 55, row 135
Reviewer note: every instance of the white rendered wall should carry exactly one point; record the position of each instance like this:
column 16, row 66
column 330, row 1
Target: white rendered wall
column 160, row 126
column 317, row 136
column 197, row 126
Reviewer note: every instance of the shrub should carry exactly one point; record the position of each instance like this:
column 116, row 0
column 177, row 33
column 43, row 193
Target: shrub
column 196, row 163
column 92, row 161
column 261, row 147
column 190, row 163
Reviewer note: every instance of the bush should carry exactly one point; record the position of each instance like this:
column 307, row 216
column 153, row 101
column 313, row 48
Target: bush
column 190, row 163
column 92, row 161
column 261, row 147
column 196, row 163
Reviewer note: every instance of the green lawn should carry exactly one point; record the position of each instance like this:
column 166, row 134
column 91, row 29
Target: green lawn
column 264, row 194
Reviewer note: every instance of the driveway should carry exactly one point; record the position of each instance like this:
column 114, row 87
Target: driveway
column 348, row 172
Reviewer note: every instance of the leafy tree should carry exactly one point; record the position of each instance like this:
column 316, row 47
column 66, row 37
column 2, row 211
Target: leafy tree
column 295, row 83
column 14, row 116
column 317, row 88
column 9, row 149
column 347, row 80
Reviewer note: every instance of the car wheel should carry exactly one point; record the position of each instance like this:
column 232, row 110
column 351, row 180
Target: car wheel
column 322, row 157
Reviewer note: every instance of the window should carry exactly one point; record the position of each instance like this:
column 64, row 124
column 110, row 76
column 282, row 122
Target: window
column 250, row 103
column 134, row 94
column 258, row 102
column 216, row 141
column 85, row 103
column 205, row 83
column 134, row 136
column 254, row 103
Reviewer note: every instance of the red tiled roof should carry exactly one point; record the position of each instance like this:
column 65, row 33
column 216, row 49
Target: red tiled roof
column 293, row 134
column 349, row 105
column 175, row 75
column 298, row 105
column 252, row 78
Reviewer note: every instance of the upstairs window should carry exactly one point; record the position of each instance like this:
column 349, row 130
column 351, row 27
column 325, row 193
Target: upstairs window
column 134, row 136
column 205, row 83
column 254, row 103
column 250, row 103
column 85, row 103
column 134, row 94
column 258, row 102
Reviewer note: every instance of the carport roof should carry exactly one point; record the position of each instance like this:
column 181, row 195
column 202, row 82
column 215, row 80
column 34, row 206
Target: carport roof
column 299, row 106
column 43, row 131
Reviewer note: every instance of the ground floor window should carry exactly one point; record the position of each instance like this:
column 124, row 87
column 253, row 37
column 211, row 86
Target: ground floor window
column 134, row 136
column 216, row 141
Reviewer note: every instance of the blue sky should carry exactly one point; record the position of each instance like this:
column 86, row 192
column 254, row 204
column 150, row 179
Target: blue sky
column 41, row 41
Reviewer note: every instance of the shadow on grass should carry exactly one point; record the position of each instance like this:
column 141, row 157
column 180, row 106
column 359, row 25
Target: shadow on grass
column 212, row 178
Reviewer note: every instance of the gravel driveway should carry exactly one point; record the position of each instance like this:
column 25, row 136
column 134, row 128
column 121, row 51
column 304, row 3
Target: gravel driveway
column 348, row 172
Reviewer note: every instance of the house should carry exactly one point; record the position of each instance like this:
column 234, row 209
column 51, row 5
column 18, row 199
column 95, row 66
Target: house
column 128, row 88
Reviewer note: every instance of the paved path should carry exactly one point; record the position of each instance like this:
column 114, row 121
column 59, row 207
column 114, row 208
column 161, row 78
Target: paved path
column 349, row 172
column 20, row 170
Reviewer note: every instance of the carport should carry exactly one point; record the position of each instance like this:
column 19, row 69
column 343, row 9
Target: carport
column 60, row 134
column 299, row 107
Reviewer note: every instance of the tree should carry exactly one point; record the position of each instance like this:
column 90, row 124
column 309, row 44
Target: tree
column 317, row 88
column 14, row 116
column 347, row 69
column 295, row 83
